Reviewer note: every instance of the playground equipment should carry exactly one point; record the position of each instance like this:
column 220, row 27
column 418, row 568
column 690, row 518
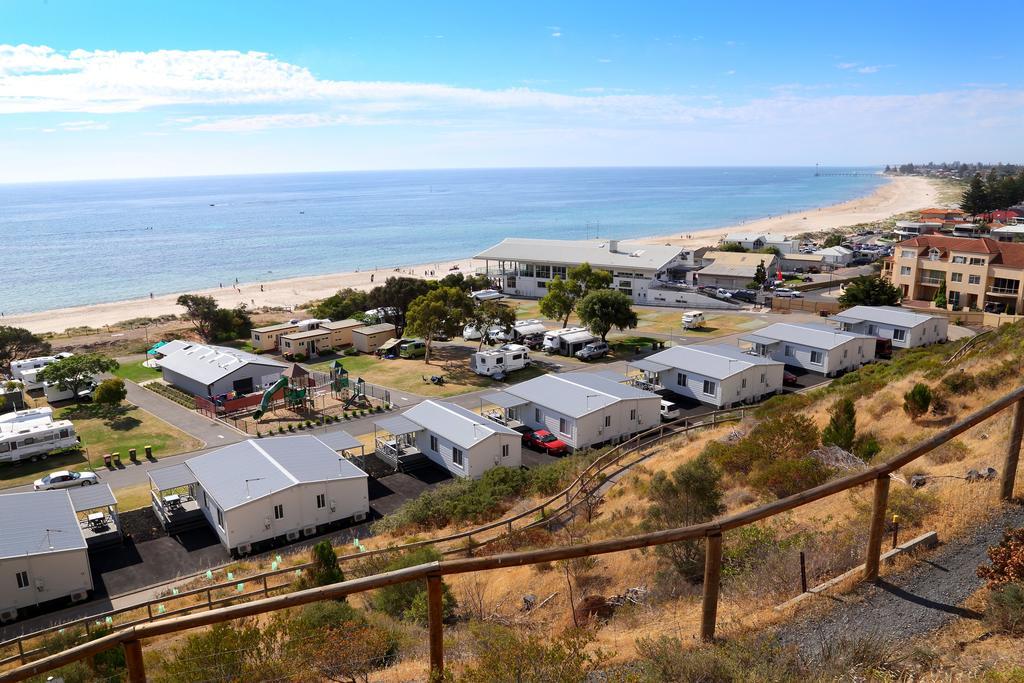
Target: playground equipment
column 339, row 377
column 358, row 398
column 295, row 381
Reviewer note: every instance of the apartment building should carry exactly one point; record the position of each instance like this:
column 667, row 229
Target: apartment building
column 979, row 274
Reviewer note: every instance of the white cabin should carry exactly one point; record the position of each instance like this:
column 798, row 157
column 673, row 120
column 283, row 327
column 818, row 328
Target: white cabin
column 716, row 374
column 906, row 328
column 32, row 433
column 817, row 348
column 43, row 552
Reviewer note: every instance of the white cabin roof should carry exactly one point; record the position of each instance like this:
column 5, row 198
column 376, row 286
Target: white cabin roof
column 884, row 315
column 462, row 427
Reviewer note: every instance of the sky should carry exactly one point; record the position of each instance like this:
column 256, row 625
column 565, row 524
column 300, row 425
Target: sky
column 107, row 89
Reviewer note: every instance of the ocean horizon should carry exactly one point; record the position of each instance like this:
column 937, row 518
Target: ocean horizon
column 75, row 243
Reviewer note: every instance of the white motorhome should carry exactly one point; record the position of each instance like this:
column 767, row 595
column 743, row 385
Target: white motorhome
column 527, row 328
column 33, row 433
column 54, row 393
column 501, row 361
column 568, row 340
column 27, row 370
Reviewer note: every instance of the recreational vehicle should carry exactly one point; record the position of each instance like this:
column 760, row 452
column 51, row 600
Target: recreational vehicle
column 33, row 433
column 567, row 341
column 54, row 393
column 499, row 362
column 27, row 370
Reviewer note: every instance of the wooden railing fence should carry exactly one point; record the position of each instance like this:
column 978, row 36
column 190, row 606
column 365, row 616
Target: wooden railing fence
column 131, row 639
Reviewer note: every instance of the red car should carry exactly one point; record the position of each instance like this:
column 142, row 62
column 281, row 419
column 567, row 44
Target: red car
column 543, row 440
column 788, row 378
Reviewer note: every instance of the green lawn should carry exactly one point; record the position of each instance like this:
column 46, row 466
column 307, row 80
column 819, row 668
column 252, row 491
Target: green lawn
column 137, row 372
column 104, row 431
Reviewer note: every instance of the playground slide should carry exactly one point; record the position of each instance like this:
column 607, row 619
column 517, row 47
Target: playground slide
column 267, row 396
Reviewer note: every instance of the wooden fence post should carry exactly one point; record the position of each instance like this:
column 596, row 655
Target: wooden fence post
column 878, row 506
column 21, row 651
column 133, row 660
column 435, row 620
column 712, row 581
column 1009, row 475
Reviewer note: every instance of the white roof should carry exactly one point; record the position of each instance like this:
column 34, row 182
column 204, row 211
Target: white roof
column 809, row 334
column 885, row 315
column 38, row 522
column 456, row 424
column 207, row 364
column 717, row 361
column 374, row 329
column 28, row 421
column 576, row 393
column 834, row 251
column 1017, row 229
column 245, row 471
column 628, row 255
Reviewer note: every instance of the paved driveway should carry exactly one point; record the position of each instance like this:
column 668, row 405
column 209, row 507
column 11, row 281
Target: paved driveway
column 189, row 421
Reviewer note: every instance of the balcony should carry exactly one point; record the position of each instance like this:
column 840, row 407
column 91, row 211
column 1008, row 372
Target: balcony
column 1003, row 291
column 932, row 281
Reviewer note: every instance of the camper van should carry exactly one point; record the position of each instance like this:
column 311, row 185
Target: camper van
column 27, row 370
column 31, row 434
column 693, row 320
column 416, row 348
column 54, row 393
column 499, row 362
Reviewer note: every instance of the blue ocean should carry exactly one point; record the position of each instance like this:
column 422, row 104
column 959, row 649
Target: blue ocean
column 69, row 244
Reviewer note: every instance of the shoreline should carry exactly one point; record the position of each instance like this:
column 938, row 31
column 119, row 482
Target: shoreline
column 899, row 194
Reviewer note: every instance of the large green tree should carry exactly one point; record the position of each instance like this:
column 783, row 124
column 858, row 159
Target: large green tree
column 341, row 305
column 399, row 293
column 201, row 311
column 975, row 199
column 443, row 310
column 75, row 373
column 488, row 314
column 110, row 392
column 563, row 295
column 833, row 239
column 17, row 343
column 870, row 290
column 760, row 274
column 604, row 309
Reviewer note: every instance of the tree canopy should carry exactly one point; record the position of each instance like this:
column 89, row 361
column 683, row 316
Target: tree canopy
column 833, row 239
column 110, row 392
column 604, row 309
column 399, row 293
column 443, row 310
column 870, row 290
column 489, row 314
column 564, row 294
column 17, row 343
column 732, row 247
column 343, row 304
column 841, row 429
column 75, row 373
column 212, row 322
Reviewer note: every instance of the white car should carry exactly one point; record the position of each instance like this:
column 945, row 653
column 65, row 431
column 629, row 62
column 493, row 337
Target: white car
column 64, row 479
column 487, row 295
column 786, row 293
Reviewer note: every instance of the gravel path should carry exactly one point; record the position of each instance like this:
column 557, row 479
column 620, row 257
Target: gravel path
column 917, row 601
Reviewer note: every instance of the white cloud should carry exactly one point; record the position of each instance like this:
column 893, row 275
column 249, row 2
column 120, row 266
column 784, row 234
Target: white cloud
column 604, row 60
column 83, row 125
column 846, row 65
column 868, row 69
column 730, row 72
column 862, row 69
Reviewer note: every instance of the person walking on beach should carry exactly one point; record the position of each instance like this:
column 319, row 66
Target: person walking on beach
column 151, row 295
column 261, row 288
column 371, row 278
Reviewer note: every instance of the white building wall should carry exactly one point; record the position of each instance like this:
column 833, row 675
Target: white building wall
column 61, row 573
column 932, row 332
column 484, row 455
column 847, row 356
column 549, row 419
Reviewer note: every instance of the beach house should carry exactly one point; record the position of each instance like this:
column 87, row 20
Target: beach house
column 734, row 270
column 816, row 348
column 203, row 370
column 582, row 409
column 906, row 328
column 715, row 374
column 43, row 552
column 258, row 493
column 457, row 439
column 523, row 267
column 328, row 336
column 756, row 241
column 266, row 338
column 837, row 257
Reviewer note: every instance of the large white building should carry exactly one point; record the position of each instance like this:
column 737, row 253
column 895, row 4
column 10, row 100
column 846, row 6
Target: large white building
column 755, row 241
column 523, row 267
column 459, row 440
column 204, row 371
column 43, row 552
column 906, row 328
column 817, row 348
column 264, row 491
column 582, row 409
column 715, row 374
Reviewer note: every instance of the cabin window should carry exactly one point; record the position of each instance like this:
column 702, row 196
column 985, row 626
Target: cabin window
column 680, row 379
column 872, row 330
column 288, row 344
column 563, row 425
column 544, row 271
column 558, row 271
column 956, row 277
column 817, row 357
column 763, row 378
column 22, row 579
column 64, row 434
column 709, row 387
column 4, row 447
column 504, row 450
column 845, row 353
column 789, row 350
column 220, row 519
column 457, row 457
column 632, row 414
column 607, row 420
column 542, row 284
column 433, row 443
column 321, row 501
column 536, row 414
column 279, row 511
column 899, row 335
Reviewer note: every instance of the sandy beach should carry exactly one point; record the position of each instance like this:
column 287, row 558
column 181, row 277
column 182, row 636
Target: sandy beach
column 899, row 195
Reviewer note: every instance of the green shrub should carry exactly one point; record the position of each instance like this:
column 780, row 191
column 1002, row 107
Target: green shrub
column 785, row 477
column 1005, row 609
column 917, row 400
column 401, row 600
column 325, row 569
column 960, row 383
column 758, row 660
column 866, row 447
column 505, row 654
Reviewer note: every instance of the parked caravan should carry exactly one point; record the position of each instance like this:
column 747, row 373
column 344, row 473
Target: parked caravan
column 527, row 328
column 30, row 434
column 499, row 362
column 54, row 393
column 567, row 341
column 27, row 370
column 693, row 320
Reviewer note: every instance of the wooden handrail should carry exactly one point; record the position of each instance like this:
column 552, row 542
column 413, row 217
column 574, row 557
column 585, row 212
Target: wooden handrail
column 432, row 570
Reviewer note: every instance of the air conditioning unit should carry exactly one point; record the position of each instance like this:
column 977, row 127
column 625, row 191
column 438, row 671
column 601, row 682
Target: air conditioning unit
column 309, row 531
column 79, row 596
column 266, row 522
column 292, row 535
column 244, row 549
column 333, row 505
column 8, row 615
column 40, row 586
column 359, row 517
